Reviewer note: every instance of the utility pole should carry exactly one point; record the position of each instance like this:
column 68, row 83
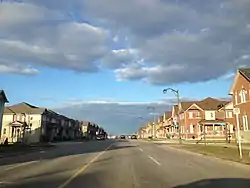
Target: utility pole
column 237, row 113
column 177, row 94
column 225, row 117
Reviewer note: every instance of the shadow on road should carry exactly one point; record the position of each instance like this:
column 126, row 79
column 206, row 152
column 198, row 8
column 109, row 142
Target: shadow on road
column 66, row 150
column 100, row 179
column 53, row 180
column 218, row 183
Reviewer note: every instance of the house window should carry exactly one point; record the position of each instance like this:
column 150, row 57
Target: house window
column 19, row 117
column 245, row 122
column 236, row 98
column 191, row 128
column 197, row 115
column 190, row 115
column 229, row 114
column 243, row 96
column 4, row 131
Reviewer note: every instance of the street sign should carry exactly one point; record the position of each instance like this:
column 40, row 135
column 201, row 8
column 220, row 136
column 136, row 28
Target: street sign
column 236, row 111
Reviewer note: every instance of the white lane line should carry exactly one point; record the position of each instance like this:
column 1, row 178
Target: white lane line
column 19, row 165
column 141, row 149
column 154, row 160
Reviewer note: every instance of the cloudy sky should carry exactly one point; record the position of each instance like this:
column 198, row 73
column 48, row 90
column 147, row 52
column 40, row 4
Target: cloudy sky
column 100, row 57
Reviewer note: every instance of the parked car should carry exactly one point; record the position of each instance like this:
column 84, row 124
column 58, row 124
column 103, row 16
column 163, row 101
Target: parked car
column 133, row 137
column 100, row 137
column 122, row 137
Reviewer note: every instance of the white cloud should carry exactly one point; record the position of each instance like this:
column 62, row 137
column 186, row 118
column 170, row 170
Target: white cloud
column 16, row 69
column 14, row 13
column 178, row 41
column 43, row 37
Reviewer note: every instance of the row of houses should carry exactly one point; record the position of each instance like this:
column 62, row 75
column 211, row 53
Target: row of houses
column 209, row 118
column 26, row 123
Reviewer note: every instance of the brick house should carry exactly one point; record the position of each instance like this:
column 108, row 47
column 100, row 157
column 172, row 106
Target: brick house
column 208, row 114
column 167, row 124
column 159, row 127
column 240, row 92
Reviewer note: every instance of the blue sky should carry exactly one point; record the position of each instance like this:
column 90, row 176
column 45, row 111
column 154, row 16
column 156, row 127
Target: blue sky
column 91, row 52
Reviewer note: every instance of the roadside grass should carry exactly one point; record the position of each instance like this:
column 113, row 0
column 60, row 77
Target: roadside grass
column 223, row 152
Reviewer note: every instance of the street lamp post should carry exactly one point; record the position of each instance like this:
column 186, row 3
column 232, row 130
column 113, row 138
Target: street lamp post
column 176, row 92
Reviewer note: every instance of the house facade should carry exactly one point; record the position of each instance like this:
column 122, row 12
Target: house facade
column 209, row 118
column 30, row 124
column 240, row 92
column 3, row 100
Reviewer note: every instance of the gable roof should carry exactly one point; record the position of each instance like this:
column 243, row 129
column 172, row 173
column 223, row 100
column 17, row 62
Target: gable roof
column 245, row 72
column 186, row 105
column 160, row 118
column 168, row 114
column 7, row 110
column 26, row 108
column 2, row 93
column 211, row 103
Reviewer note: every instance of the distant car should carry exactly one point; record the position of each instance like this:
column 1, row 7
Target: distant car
column 122, row 137
column 133, row 137
column 100, row 137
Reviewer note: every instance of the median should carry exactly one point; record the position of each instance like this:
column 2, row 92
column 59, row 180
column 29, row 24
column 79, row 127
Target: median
column 229, row 152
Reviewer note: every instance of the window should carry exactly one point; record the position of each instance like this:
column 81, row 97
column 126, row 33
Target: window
column 197, row 114
column 18, row 117
column 229, row 114
column 190, row 115
column 245, row 122
column 243, row 96
column 236, row 98
column 191, row 128
column 4, row 131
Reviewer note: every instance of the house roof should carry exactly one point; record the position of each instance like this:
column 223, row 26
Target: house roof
column 7, row 110
column 186, row 105
column 160, row 119
column 245, row 72
column 211, row 103
column 26, row 108
column 2, row 93
column 168, row 114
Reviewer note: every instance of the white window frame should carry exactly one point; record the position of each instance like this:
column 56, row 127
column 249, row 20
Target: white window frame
column 236, row 98
column 190, row 115
column 191, row 127
column 229, row 114
column 243, row 96
column 245, row 122
column 198, row 114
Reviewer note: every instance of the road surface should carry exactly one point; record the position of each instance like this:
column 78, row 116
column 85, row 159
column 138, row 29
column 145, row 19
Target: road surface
column 119, row 164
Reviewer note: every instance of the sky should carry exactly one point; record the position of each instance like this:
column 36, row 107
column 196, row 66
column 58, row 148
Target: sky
column 95, row 60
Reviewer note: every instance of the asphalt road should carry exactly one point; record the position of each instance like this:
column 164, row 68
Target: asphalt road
column 119, row 164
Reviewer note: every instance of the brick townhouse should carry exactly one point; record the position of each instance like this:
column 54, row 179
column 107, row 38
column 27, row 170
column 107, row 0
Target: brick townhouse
column 159, row 127
column 167, row 124
column 240, row 92
column 210, row 114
